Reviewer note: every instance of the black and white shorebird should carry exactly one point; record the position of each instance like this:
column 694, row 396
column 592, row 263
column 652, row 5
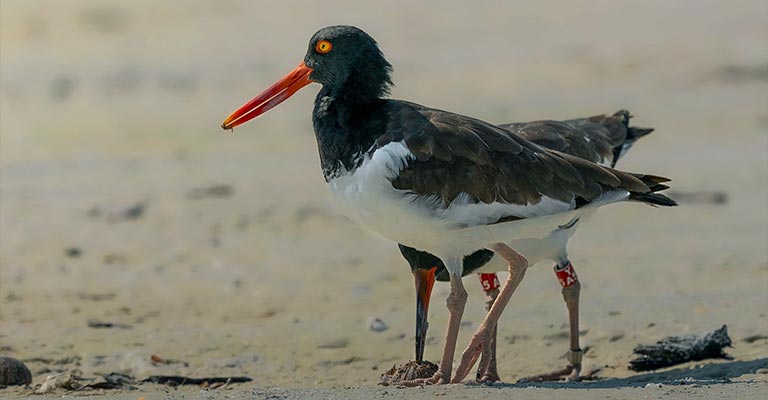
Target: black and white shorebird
column 601, row 139
column 438, row 181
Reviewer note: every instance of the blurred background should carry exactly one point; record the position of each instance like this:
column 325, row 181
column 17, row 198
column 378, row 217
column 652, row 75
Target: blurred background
column 123, row 202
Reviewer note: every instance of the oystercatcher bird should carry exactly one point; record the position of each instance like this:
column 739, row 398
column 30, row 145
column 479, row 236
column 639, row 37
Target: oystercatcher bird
column 438, row 181
column 601, row 139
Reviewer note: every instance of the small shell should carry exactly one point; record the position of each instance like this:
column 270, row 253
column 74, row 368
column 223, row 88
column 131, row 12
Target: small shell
column 653, row 385
column 13, row 372
column 377, row 325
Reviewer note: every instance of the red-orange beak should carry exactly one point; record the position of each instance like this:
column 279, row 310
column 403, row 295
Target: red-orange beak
column 269, row 98
column 424, row 279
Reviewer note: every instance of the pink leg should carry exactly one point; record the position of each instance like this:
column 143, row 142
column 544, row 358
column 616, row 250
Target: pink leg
column 456, row 301
column 571, row 290
column 486, row 368
column 481, row 341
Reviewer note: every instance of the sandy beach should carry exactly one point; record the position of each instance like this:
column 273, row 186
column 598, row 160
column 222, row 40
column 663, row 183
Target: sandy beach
column 132, row 226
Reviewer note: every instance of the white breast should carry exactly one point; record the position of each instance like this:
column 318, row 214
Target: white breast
column 366, row 195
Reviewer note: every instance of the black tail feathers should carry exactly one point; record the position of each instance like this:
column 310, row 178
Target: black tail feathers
column 655, row 185
column 654, row 199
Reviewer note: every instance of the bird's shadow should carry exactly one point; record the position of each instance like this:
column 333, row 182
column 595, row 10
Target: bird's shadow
column 707, row 374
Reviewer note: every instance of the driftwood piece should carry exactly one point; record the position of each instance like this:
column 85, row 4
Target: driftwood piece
column 112, row 380
column 174, row 380
column 675, row 350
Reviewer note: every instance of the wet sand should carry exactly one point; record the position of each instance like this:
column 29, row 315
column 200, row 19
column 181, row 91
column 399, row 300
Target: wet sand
column 235, row 262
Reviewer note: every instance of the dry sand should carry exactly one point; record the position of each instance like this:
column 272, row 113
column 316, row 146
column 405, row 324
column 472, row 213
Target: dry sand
column 106, row 106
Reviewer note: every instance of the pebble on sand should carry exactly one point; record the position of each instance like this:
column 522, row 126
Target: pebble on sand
column 13, row 372
column 377, row 325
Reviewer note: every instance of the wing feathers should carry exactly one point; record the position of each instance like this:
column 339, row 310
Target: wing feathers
column 457, row 155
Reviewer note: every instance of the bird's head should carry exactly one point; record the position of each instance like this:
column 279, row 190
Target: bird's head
column 342, row 58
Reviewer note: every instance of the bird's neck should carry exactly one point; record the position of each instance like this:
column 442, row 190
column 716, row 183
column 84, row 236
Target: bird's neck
column 345, row 119
column 344, row 128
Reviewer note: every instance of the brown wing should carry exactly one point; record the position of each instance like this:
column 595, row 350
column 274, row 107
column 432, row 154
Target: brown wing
column 599, row 139
column 457, row 154
column 588, row 142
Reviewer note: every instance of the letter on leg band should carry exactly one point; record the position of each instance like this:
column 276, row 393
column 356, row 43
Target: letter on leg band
column 489, row 281
column 566, row 274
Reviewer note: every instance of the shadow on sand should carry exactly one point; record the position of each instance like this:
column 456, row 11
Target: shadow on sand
column 707, row 374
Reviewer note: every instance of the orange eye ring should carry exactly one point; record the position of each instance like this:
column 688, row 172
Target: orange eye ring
column 323, row 46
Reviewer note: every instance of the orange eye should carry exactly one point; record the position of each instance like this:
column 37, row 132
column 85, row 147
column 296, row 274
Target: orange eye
column 323, row 46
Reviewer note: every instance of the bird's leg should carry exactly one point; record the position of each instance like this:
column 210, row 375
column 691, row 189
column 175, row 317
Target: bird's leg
column 571, row 296
column 486, row 368
column 571, row 290
column 456, row 301
column 481, row 341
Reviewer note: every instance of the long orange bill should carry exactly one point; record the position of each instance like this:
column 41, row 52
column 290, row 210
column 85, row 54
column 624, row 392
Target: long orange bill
column 425, row 280
column 270, row 97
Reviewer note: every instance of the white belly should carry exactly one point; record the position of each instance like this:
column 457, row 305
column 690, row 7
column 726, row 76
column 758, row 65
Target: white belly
column 549, row 248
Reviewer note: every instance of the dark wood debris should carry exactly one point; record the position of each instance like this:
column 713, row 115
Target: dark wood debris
column 175, row 380
column 675, row 350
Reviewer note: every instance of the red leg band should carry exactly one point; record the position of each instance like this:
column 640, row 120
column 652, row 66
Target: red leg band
column 566, row 274
column 490, row 282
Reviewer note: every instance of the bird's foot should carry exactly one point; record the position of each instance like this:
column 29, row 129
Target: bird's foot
column 488, row 378
column 486, row 371
column 479, row 345
column 570, row 373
